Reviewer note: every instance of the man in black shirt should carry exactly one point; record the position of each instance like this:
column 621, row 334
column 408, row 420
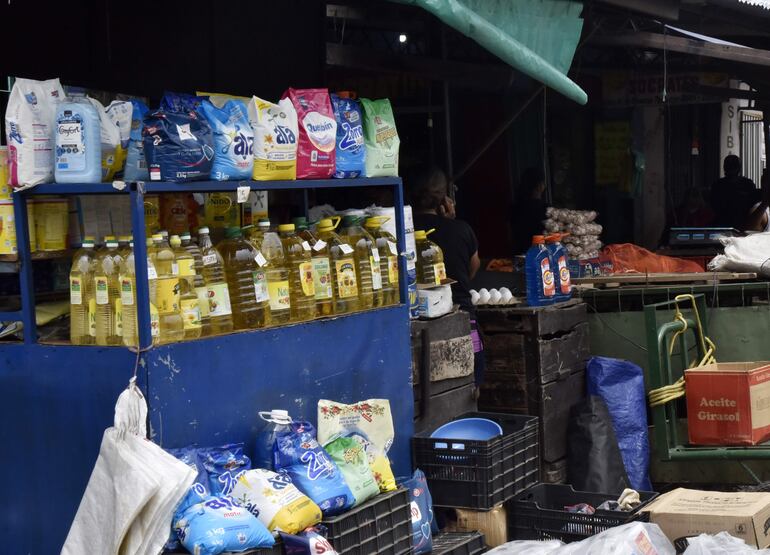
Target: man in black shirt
column 528, row 211
column 733, row 197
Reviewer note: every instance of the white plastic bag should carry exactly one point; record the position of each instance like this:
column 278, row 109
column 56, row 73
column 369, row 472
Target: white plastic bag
column 721, row 544
column 112, row 151
column 527, row 547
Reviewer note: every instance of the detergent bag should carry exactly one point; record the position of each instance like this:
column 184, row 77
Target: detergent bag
column 180, row 102
column 275, row 501
column 308, row 542
column 275, row 139
column 317, row 132
column 350, row 151
column 29, row 128
column 350, row 458
column 136, row 166
column 233, row 140
column 421, row 505
column 298, row 453
column 381, row 138
column 222, row 465
column 177, row 146
column 112, row 152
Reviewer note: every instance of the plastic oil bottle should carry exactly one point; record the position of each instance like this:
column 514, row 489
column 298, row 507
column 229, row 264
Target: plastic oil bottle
column 82, row 295
column 430, row 259
column 541, row 288
column 299, row 260
column 167, row 295
column 343, row 265
column 274, row 422
column 199, row 283
column 124, row 248
column 257, row 232
column 152, row 285
column 213, row 269
column 560, row 267
column 322, row 271
column 245, row 268
column 367, row 261
column 128, row 300
column 388, row 252
column 78, row 154
column 277, row 279
column 188, row 299
column 106, row 294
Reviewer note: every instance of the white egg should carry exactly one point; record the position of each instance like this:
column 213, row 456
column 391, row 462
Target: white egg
column 474, row 297
column 483, row 296
column 494, row 296
column 505, row 296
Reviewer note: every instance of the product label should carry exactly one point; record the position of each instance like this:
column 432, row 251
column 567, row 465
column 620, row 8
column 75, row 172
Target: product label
column 70, row 144
column 565, row 283
column 76, row 290
column 319, row 245
column 209, row 259
column 376, row 272
column 203, row 300
column 167, row 295
column 261, row 291
column 549, row 287
column 127, row 290
column 186, row 267
column 306, row 278
column 92, row 317
column 174, row 269
column 322, row 278
column 321, row 130
column 376, row 254
column 393, row 248
column 191, row 313
column 118, row 318
column 102, row 289
column 439, row 272
column 393, row 269
column 219, row 300
column 305, row 245
column 154, row 321
column 279, row 295
column 260, row 259
column 151, row 273
column 345, row 248
column 346, row 278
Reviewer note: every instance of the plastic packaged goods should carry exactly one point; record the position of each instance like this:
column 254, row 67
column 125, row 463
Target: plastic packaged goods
column 367, row 261
column 387, row 249
column 317, row 132
column 233, row 140
column 167, row 293
column 136, row 166
column 278, row 283
column 421, row 504
column 350, row 152
column 78, row 157
column 257, row 232
column 177, row 146
column 221, row 210
column 51, row 223
column 121, row 113
column 152, row 284
column 180, row 102
column 177, row 212
column 350, row 457
column 307, row 542
column 106, row 295
column 275, row 139
column 541, row 286
column 198, row 282
column 246, row 281
column 380, row 137
column 112, row 152
column 188, row 299
column 127, row 286
column 322, row 273
column 430, row 260
column 343, row 267
column 222, row 464
column 301, row 283
column 30, row 131
column 220, row 312
column 82, row 300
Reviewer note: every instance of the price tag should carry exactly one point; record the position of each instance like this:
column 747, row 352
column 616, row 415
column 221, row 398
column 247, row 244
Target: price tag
column 174, row 269
column 306, row 245
column 376, row 255
column 345, row 248
column 209, row 259
column 319, row 245
column 260, row 259
column 393, row 248
column 243, row 193
column 151, row 273
column 119, row 185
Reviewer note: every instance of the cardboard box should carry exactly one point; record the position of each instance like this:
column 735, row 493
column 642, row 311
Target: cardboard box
column 683, row 513
column 492, row 523
column 728, row 403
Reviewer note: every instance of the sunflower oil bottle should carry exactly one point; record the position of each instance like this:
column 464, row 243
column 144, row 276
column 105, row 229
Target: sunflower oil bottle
column 277, row 279
column 367, row 261
column 245, row 268
column 152, row 286
column 388, row 251
column 106, row 294
column 257, row 233
column 188, row 299
column 128, row 300
column 198, row 282
column 217, row 293
column 124, row 249
column 322, row 270
column 343, row 266
column 167, row 295
column 299, row 261
column 82, row 301
column 430, row 259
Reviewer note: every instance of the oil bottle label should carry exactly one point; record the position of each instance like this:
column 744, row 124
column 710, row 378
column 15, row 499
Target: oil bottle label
column 167, row 296
column 118, row 317
column 375, row 254
column 219, row 300
column 279, row 295
column 191, row 314
column 322, row 278
column 306, row 246
column 174, row 269
column 549, row 287
column 393, row 248
column 565, row 283
column 439, row 271
column 393, row 269
column 151, row 273
column 346, row 278
column 376, row 272
column 154, row 321
column 261, row 291
column 102, row 288
column 92, row 318
column 319, row 245
column 76, row 290
column 186, row 267
column 209, row 259
column 306, row 279
column 203, row 300
column 345, row 248
column 127, row 291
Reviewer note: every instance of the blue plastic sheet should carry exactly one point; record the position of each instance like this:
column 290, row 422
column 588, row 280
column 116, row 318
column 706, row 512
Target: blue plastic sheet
column 620, row 384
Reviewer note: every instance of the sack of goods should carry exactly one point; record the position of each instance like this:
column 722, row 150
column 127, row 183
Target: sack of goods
column 581, row 233
column 178, row 146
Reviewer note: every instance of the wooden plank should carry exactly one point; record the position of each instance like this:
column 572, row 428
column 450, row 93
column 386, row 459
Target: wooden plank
column 450, row 358
column 693, row 277
column 553, row 403
column 445, row 407
column 539, row 321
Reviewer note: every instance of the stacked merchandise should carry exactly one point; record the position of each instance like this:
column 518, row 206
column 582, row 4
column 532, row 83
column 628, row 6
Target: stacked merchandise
column 580, row 233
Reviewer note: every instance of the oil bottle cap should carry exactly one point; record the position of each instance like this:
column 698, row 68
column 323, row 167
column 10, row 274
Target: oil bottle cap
column 157, row 237
column 286, row 227
column 349, row 220
column 111, row 244
column 420, row 235
column 204, row 230
column 327, row 224
column 175, row 241
column 89, row 238
column 300, row 222
column 124, row 239
column 109, row 238
column 552, row 238
column 87, row 243
column 164, row 233
column 263, row 223
column 233, row 232
column 184, row 235
column 375, row 222
column 538, row 240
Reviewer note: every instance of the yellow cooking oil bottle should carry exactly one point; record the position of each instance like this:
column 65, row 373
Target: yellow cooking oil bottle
column 367, row 261
column 277, row 279
column 124, row 247
column 128, row 300
column 213, row 269
column 106, row 293
column 167, row 295
column 256, row 233
column 299, row 261
column 82, row 301
column 188, row 299
column 388, row 252
column 245, row 268
column 322, row 270
column 343, row 265
column 199, row 283
column 430, row 259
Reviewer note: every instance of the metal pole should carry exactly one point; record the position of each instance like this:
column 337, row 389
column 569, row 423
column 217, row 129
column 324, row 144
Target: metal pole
column 398, row 206
column 26, row 283
column 140, row 266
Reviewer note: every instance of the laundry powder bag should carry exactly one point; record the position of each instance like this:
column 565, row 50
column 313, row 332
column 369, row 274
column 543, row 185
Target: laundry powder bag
column 380, row 137
column 349, row 456
column 180, row 102
column 275, row 139
column 275, row 501
column 307, row 542
column 350, row 151
column 136, row 166
column 233, row 140
column 298, row 453
column 317, row 132
column 120, row 113
column 29, row 128
column 177, row 146
column 112, row 152
column 222, row 465
column 421, row 505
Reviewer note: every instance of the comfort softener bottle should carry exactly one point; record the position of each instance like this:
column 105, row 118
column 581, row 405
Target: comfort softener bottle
column 78, row 156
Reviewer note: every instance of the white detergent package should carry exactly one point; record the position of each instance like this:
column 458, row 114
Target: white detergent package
column 121, row 112
column 112, row 152
column 29, row 128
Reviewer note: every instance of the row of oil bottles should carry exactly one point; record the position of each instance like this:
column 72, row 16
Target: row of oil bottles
column 254, row 278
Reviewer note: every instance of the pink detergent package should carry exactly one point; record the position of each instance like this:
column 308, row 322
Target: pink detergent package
column 317, row 132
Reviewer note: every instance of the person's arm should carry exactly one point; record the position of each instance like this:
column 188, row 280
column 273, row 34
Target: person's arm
column 474, row 265
column 757, row 219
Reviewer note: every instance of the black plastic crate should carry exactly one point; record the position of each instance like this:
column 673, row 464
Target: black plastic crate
column 480, row 474
column 458, row 543
column 382, row 525
column 539, row 514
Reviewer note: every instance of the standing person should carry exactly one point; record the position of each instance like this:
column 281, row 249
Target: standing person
column 433, row 209
column 528, row 211
column 733, row 197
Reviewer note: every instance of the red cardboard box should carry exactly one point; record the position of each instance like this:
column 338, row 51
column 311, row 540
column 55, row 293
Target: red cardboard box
column 728, row 403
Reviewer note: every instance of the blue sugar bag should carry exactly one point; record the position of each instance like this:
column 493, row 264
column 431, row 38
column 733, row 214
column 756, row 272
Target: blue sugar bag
column 350, row 152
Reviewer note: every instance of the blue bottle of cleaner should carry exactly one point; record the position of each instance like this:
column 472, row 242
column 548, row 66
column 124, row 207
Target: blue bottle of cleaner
column 78, row 155
column 559, row 258
column 541, row 287
column 275, row 422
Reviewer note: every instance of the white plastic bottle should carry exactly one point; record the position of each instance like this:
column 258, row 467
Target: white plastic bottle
column 78, row 155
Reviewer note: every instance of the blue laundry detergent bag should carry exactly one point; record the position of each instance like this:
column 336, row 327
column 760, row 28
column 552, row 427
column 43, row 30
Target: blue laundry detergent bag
column 307, row 542
column 180, row 102
column 298, row 453
column 421, row 505
column 350, row 156
column 223, row 465
column 136, row 166
column 178, row 146
column 233, row 140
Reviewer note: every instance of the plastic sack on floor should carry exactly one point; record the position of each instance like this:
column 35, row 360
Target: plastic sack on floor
column 177, row 146
column 527, row 547
column 421, row 505
column 351, row 152
column 380, row 137
column 223, row 465
column 594, row 460
column 620, row 384
column 308, row 542
column 721, row 544
column 136, row 166
column 627, row 257
column 317, row 132
column 350, row 458
column 298, row 453
column 233, row 140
